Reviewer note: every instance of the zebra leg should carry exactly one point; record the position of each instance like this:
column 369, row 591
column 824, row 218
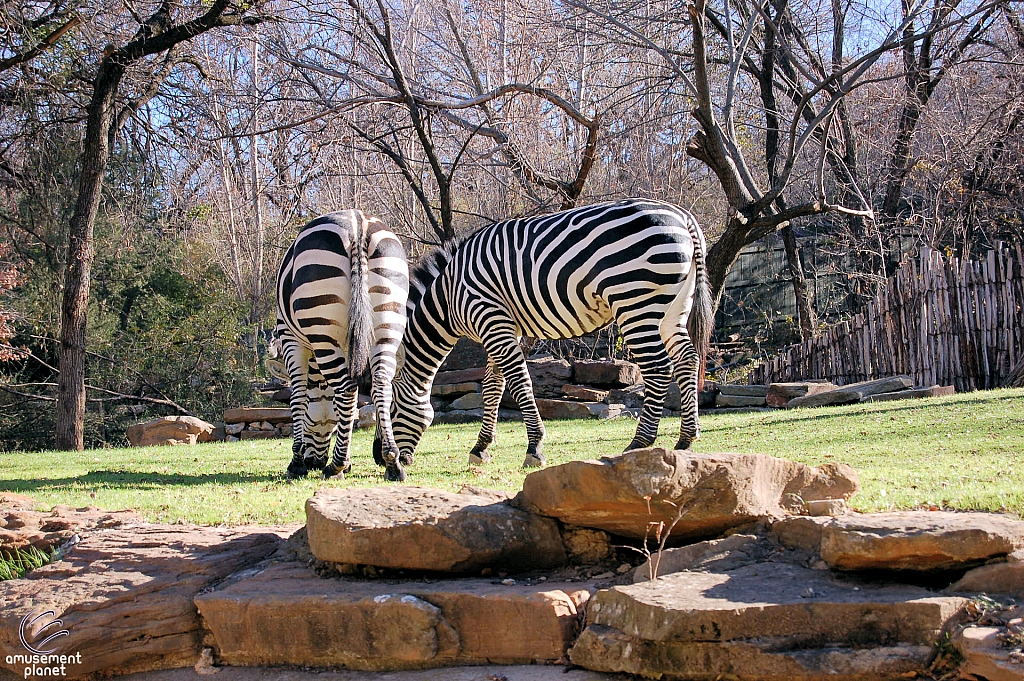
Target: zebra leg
column 494, row 386
column 296, row 360
column 643, row 339
column 384, row 446
column 504, row 353
column 345, row 401
column 686, row 367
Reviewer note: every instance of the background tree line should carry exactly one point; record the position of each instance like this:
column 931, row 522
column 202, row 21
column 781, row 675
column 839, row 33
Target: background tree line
column 157, row 157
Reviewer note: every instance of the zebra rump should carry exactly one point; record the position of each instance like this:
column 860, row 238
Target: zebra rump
column 341, row 295
column 639, row 263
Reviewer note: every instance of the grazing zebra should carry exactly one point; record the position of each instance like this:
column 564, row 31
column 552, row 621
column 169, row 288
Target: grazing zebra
column 637, row 262
column 341, row 297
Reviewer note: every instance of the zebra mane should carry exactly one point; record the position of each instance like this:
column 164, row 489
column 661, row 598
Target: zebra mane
column 431, row 266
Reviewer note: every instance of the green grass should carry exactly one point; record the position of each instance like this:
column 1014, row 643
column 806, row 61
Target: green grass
column 960, row 452
column 22, row 561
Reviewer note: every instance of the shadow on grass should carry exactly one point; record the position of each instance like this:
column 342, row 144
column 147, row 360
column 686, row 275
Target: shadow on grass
column 138, row 480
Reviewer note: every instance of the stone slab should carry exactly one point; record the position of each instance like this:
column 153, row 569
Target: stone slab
column 625, row 493
column 583, row 393
column 913, row 394
column 763, row 621
column 905, row 540
column 608, row 373
column 468, row 401
column 461, row 376
column 548, row 375
column 286, row 615
column 170, row 430
column 855, row 392
column 125, row 594
column 998, row 578
column 779, row 394
column 483, row 672
column 715, row 555
column 564, row 409
column 250, row 414
column 417, row 528
column 985, row 656
column 739, row 390
column 258, row 434
column 455, row 389
column 725, row 400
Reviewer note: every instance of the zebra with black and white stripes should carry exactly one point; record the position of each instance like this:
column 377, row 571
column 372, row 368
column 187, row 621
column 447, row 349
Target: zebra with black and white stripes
column 341, row 310
column 638, row 262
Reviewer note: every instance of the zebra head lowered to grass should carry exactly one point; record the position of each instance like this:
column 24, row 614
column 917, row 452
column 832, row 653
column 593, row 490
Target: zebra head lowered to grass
column 639, row 263
column 341, row 298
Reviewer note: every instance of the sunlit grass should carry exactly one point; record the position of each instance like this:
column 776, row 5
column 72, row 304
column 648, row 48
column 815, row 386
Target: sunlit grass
column 962, row 452
column 23, row 561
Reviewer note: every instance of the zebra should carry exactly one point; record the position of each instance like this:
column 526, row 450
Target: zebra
column 637, row 262
column 341, row 299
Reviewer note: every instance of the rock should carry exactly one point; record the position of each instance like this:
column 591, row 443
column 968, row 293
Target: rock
column 232, row 438
column 716, row 555
column 985, row 655
column 904, row 540
column 829, row 507
column 456, row 389
column 779, row 394
column 470, row 401
column 633, row 396
column 249, row 414
column 601, row 410
column 234, row 428
column 998, row 578
column 218, row 434
column 22, row 527
column 282, row 395
column 608, row 373
column 585, row 546
column 460, row 376
column 766, row 621
column 734, row 401
column 284, row 430
column 718, row 491
column 914, row 393
column 285, row 615
column 563, row 409
column 583, row 393
column 170, row 430
column 460, row 416
column 367, row 416
column 548, row 375
column 125, row 595
column 738, row 390
column 257, row 434
column 467, row 354
column 855, row 392
column 417, row 528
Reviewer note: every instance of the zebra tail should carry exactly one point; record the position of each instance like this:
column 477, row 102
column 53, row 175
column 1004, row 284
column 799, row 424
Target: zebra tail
column 360, row 316
column 702, row 312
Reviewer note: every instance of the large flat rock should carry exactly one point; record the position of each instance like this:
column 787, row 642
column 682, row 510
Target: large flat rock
column 125, row 594
column 286, row 615
column 779, row 394
column 606, row 373
column 418, row 528
column 762, row 621
column 985, row 653
column 624, row 493
column 905, row 540
column 854, row 392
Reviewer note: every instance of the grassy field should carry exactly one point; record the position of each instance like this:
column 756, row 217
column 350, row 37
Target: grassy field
column 961, row 452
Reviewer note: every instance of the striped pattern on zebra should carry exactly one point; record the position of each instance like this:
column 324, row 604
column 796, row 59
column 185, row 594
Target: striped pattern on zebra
column 638, row 262
column 341, row 299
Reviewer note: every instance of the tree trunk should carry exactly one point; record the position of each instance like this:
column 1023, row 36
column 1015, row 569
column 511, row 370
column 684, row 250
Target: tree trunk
column 77, row 277
column 804, row 299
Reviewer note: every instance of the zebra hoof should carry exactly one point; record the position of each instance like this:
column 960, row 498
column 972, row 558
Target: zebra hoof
column 684, row 443
column 479, row 458
column 394, row 473
column 333, row 472
column 296, row 471
column 405, row 459
column 534, row 461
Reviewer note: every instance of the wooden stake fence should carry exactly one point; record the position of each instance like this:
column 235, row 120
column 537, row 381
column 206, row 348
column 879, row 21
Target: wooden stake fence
column 940, row 320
